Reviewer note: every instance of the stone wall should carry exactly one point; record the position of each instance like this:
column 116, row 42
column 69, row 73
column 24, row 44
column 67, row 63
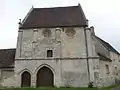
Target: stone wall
column 69, row 62
column 69, row 55
column 74, row 73
column 115, row 66
column 33, row 43
column 32, row 66
column 7, row 78
column 100, row 48
column 104, row 78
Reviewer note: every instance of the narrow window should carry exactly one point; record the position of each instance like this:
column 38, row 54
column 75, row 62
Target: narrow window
column 107, row 69
column 49, row 53
column 58, row 34
column 116, row 71
column 35, row 35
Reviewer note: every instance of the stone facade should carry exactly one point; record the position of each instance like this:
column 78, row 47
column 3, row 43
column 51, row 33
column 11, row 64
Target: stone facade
column 77, row 57
column 68, row 63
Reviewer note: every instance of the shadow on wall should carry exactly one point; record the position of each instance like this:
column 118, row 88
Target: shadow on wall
column 117, row 81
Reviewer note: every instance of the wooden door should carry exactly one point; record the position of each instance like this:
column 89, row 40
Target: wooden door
column 45, row 77
column 25, row 79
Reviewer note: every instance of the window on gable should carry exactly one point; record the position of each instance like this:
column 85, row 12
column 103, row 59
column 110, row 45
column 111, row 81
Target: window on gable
column 49, row 53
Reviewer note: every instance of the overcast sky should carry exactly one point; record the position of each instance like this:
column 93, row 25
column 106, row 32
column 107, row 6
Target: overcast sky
column 104, row 15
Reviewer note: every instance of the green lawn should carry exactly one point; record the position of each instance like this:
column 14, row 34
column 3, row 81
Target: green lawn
column 52, row 89
column 104, row 88
column 56, row 89
column 110, row 87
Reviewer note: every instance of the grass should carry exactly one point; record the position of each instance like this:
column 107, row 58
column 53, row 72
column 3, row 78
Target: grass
column 51, row 89
column 104, row 88
column 110, row 87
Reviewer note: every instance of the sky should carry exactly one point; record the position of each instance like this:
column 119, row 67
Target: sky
column 104, row 15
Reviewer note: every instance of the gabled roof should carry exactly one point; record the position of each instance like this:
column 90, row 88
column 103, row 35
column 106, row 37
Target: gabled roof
column 7, row 58
column 107, row 46
column 55, row 17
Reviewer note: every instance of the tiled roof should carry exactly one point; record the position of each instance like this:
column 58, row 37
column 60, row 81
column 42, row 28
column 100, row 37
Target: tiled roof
column 55, row 17
column 7, row 58
column 107, row 45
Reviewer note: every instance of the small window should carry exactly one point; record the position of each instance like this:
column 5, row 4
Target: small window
column 49, row 53
column 107, row 69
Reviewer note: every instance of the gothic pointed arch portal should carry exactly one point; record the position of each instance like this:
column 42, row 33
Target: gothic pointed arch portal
column 45, row 77
column 25, row 79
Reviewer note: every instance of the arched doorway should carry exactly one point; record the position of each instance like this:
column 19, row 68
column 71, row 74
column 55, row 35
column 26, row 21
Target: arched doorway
column 45, row 77
column 25, row 79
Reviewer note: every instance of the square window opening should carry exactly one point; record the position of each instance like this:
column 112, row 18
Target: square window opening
column 49, row 53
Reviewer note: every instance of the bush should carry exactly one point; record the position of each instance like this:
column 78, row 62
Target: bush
column 90, row 85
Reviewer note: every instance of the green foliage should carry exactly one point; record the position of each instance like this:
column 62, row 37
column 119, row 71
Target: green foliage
column 90, row 85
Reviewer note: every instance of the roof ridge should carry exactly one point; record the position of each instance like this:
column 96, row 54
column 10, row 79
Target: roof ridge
column 54, row 17
column 56, row 7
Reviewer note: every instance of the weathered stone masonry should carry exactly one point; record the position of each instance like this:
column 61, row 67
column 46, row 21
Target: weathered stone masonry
column 56, row 47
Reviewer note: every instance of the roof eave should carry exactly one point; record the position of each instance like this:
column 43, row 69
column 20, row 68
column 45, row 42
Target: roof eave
column 104, row 58
column 53, row 26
